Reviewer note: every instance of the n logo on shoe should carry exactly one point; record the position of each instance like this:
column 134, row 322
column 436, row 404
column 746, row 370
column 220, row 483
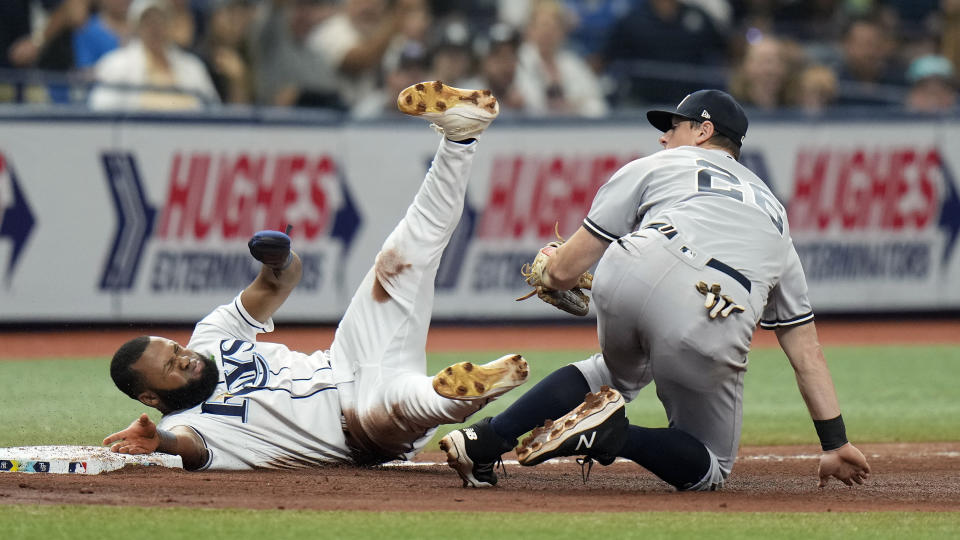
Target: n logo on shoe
column 471, row 434
column 584, row 442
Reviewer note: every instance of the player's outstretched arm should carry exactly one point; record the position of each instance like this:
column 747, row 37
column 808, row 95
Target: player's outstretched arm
column 143, row 437
column 278, row 276
column 840, row 459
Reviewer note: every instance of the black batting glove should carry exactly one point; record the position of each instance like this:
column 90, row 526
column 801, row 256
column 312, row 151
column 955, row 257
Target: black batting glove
column 272, row 248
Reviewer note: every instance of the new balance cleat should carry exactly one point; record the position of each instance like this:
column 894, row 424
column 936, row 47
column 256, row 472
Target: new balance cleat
column 596, row 429
column 468, row 382
column 474, row 451
column 457, row 113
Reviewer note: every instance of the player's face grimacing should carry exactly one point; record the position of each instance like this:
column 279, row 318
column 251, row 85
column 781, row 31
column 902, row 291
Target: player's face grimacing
column 179, row 377
column 683, row 133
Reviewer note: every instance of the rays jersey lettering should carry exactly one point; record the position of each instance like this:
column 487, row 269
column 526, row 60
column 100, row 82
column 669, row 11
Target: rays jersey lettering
column 244, row 371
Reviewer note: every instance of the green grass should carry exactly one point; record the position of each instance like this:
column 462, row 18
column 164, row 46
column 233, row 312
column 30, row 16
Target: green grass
column 888, row 394
column 84, row 522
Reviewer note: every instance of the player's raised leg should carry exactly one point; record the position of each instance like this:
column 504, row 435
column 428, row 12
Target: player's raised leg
column 385, row 328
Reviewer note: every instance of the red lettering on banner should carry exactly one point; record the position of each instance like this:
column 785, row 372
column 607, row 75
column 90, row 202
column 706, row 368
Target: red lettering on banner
column 890, row 189
column 187, row 184
column 237, row 195
column 529, row 195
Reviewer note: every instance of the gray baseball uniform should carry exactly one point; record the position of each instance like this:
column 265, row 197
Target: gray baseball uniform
column 674, row 218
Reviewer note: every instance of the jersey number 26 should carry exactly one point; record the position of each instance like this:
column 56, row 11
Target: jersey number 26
column 714, row 179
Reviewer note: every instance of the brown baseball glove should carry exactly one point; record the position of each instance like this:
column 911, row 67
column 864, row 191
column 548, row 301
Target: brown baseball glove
column 573, row 301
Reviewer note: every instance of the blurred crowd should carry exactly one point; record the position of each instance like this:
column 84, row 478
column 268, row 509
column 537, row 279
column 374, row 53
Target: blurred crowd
column 540, row 57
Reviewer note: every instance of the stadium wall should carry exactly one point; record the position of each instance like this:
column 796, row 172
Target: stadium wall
column 119, row 218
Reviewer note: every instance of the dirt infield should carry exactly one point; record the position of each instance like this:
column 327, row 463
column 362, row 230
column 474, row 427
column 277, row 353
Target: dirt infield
column 56, row 343
column 912, row 477
column 782, row 479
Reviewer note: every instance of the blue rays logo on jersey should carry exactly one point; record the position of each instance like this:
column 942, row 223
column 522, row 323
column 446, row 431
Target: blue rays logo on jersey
column 244, row 371
column 242, row 366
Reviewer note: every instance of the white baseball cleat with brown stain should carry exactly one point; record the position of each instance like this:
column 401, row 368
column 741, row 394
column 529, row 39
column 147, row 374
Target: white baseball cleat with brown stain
column 469, row 382
column 457, row 113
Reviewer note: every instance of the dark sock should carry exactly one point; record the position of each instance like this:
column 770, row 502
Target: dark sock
column 554, row 396
column 675, row 456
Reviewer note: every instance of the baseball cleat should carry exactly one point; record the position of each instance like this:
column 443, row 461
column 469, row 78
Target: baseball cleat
column 474, row 451
column 457, row 113
column 469, row 382
column 596, row 429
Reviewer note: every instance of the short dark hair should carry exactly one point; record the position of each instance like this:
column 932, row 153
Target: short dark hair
column 721, row 140
column 126, row 378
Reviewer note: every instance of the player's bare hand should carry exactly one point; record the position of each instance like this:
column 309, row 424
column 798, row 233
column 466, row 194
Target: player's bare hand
column 846, row 464
column 140, row 438
column 716, row 303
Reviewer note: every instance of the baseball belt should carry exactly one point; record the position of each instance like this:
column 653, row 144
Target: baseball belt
column 670, row 231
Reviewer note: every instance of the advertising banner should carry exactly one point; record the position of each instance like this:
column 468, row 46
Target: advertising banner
column 147, row 220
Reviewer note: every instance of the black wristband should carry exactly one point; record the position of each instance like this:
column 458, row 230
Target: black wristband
column 832, row 433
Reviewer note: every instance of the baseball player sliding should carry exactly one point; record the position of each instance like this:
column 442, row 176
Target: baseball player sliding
column 693, row 251
column 231, row 402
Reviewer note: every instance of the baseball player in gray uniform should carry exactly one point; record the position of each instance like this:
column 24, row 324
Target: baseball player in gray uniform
column 692, row 250
column 232, row 402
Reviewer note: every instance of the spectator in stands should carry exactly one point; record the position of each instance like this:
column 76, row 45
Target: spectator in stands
column 225, row 52
column 151, row 72
column 813, row 21
column 765, row 77
column 412, row 66
column 354, row 41
column 287, row 72
column 720, row 12
column 104, row 31
column 416, row 31
column 950, row 30
column 933, row 85
column 592, row 23
column 37, row 33
column 186, row 24
column 817, row 89
column 516, row 13
column 669, row 32
column 479, row 14
column 915, row 17
column 553, row 79
column 451, row 56
column 497, row 51
column 867, row 71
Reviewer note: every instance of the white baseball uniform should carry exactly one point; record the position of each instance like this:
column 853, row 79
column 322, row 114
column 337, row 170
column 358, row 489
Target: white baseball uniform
column 674, row 218
column 366, row 400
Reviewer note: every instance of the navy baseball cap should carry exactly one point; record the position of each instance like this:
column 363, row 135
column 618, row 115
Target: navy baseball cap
column 714, row 105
